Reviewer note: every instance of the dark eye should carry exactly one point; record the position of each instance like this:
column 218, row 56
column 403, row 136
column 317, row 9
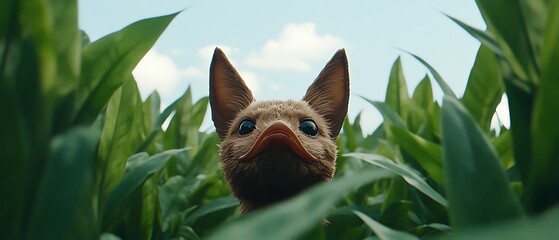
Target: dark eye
column 246, row 127
column 308, row 127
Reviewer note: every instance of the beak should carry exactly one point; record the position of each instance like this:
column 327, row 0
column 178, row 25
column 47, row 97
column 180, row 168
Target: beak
column 278, row 135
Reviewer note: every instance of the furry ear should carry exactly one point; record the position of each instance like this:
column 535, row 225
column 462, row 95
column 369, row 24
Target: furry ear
column 228, row 93
column 329, row 93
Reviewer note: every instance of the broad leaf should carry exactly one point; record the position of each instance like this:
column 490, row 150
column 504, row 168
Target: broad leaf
column 383, row 232
column 292, row 218
column 119, row 137
column 543, row 227
column 543, row 180
column 397, row 91
column 426, row 153
column 409, row 175
column 67, row 175
column 485, row 88
column 109, row 61
column 438, row 78
column 134, row 177
column 477, row 187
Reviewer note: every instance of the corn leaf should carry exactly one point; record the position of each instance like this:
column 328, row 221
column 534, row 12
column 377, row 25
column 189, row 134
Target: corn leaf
column 542, row 227
column 108, row 62
column 383, row 232
column 426, row 153
column 477, row 187
column 119, row 137
column 294, row 217
column 518, row 29
column 143, row 167
column 397, row 91
column 409, row 175
column 438, row 78
column 67, row 175
column 543, row 182
column 484, row 89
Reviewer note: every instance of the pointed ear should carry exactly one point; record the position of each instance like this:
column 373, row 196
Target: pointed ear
column 228, row 93
column 329, row 93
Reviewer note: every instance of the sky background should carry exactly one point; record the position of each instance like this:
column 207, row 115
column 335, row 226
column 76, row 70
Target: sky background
column 280, row 47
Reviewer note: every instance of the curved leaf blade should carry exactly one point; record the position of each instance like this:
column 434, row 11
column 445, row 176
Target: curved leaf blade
column 63, row 184
column 383, row 232
column 109, row 61
column 294, row 217
column 543, row 180
column 484, row 89
column 477, row 187
column 438, row 78
column 135, row 176
column 405, row 172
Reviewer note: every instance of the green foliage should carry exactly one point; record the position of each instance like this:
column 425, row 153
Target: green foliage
column 84, row 157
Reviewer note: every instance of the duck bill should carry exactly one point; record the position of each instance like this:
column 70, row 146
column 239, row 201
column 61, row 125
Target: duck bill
column 278, row 136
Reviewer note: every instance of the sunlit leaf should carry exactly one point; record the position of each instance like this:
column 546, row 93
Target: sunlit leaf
column 108, row 62
column 404, row 171
column 484, row 89
column 438, row 78
column 397, row 91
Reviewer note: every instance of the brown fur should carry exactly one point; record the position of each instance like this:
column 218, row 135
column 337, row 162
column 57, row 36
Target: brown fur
column 276, row 175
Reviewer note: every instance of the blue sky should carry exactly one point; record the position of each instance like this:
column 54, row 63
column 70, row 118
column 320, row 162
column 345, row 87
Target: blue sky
column 279, row 47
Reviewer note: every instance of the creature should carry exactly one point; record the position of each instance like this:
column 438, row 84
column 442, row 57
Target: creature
column 272, row 150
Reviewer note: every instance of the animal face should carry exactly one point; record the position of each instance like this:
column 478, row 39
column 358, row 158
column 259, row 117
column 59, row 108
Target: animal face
column 272, row 150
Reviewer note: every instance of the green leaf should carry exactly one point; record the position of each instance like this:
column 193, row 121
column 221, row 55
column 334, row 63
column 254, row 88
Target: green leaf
column 426, row 153
column 517, row 28
column 212, row 206
column 486, row 38
column 397, row 91
column 422, row 119
column 484, row 89
column 294, row 217
column 119, row 137
column 543, row 181
column 142, row 210
column 388, row 113
column 409, row 175
column 438, row 78
column 109, row 61
column 25, row 124
column 542, row 227
column 84, row 39
column 173, row 200
column 205, row 157
column 108, row 236
column 503, row 146
column 184, row 127
column 67, row 175
column 477, row 187
column 520, row 108
column 157, row 126
column 143, row 168
column 383, row 232
column 423, row 93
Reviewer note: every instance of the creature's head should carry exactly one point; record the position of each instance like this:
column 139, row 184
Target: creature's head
column 272, row 150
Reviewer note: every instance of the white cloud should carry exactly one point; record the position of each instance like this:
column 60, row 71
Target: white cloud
column 297, row 46
column 252, row 81
column 194, row 72
column 156, row 72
